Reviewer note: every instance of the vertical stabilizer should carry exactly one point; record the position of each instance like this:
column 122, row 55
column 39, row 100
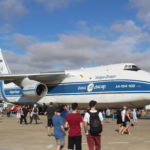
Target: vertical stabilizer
column 4, row 69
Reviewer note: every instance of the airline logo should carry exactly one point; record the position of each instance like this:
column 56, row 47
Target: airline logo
column 90, row 87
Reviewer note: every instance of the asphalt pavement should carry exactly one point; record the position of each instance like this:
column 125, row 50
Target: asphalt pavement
column 14, row 136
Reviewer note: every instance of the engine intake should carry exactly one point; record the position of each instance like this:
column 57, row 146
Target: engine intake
column 40, row 89
column 33, row 89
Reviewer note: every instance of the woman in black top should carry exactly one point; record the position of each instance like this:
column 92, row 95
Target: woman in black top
column 119, row 120
column 128, row 122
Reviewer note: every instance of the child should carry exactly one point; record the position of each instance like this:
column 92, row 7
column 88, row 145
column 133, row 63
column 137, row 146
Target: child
column 59, row 132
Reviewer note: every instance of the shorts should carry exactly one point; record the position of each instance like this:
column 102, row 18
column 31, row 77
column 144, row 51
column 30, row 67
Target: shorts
column 60, row 142
column 74, row 141
column 128, row 123
column 49, row 123
column 124, row 124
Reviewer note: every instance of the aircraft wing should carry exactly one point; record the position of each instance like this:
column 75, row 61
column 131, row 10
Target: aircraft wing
column 41, row 77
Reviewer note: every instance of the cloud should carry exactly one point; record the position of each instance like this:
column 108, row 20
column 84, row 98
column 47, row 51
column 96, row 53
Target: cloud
column 78, row 50
column 82, row 25
column 126, row 27
column 143, row 8
column 129, row 28
column 20, row 63
column 6, row 28
column 52, row 5
column 12, row 9
column 23, row 41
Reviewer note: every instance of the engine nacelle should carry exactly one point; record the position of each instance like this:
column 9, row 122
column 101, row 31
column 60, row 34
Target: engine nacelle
column 33, row 89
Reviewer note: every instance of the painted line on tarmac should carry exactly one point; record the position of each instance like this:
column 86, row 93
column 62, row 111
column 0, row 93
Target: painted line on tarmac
column 118, row 143
column 50, row 146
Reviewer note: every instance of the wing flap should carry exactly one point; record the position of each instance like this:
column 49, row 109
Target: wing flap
column 41, row 77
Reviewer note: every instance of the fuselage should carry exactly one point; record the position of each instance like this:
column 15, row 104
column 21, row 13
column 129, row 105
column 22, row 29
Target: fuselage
column 112, row 86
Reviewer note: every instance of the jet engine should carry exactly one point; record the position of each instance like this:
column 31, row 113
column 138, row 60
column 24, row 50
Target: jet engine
column 33, row 89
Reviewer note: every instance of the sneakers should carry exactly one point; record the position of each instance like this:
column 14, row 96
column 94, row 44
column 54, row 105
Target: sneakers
column 51, row 134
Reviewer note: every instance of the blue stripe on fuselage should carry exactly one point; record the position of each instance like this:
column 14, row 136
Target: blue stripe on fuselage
column 85, row 88
column 13, row 92
column 5, row 92
column 100, row 87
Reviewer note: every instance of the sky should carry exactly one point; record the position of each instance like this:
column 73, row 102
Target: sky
column 53, row 35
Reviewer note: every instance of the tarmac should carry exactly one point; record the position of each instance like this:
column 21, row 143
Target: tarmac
column 14, row 136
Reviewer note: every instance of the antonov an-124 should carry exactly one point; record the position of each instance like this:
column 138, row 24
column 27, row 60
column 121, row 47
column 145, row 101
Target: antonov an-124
column 112, row 86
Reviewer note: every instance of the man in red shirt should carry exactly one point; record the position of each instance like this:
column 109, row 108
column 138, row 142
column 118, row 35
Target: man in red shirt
column 74, row 121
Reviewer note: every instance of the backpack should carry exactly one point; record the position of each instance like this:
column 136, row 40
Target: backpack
column 95, row 123
column 35, row 110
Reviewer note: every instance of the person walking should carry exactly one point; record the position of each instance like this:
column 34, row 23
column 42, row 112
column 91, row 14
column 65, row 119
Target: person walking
column 21, row 114
column 65, row 111
column 119, row 120
column 123, row 112
column 93, row 121
column 8, row 111
column 50, row 113
column 128, row 122
column 59, row 131
column 44, row 108
column 24, row 115
column 34, row 114
column 134, row 115
column 74, row 122
column 1, row 112
column 108, row 114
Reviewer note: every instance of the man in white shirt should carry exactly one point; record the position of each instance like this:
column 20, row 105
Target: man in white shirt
column 92, row 140
column 123, row 112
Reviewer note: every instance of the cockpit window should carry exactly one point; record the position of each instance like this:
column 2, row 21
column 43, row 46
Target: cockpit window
column 131, row 68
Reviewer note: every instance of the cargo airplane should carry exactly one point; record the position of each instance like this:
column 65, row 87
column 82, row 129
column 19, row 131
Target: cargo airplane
column 112, row 86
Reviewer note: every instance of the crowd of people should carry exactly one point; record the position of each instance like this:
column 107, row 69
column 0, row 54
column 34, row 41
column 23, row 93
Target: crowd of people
column 22, row 111
column 68, row 119
column 91, row 123
column 125, row 119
